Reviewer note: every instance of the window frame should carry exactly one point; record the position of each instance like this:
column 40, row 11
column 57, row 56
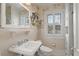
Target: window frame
column 54, row 24
column 46, row 24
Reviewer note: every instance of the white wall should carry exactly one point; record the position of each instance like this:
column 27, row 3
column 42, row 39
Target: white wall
column 6, row 38
column 76, row 25
column 42, row 36
column 75, row 21
column 0, row 14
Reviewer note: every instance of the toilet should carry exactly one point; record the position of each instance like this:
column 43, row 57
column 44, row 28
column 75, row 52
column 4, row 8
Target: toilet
column 45, row 51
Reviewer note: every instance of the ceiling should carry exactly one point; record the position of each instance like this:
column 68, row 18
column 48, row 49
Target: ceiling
column 41, row 5
column 47, row 4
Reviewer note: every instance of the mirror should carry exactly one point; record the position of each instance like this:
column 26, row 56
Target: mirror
column 8, row 13
column 23, row 17
column 16, row 15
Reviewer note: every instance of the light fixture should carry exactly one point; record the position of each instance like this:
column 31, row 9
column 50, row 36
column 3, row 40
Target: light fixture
column 26, row 6
column 35, row 20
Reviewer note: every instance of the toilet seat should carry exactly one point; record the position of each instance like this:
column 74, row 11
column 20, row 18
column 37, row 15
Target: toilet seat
column 45, row 49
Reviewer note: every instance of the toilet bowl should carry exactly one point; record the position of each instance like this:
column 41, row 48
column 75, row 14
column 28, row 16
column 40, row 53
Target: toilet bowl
column 45, row 51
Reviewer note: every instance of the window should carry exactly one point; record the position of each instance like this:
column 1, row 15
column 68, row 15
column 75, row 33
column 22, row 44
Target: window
column 57, row 18
column 57, row 28
column 54, row 23
column 50, row 19
column 50, row 24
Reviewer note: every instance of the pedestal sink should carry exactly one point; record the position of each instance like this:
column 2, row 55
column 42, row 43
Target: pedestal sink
column 27, row 49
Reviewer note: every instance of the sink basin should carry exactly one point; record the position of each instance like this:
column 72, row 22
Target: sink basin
column 29, row 48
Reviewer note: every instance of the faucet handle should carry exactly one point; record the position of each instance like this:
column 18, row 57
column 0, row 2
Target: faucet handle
column 54, row 44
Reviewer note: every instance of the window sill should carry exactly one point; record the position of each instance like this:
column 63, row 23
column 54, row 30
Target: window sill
column 55, row 36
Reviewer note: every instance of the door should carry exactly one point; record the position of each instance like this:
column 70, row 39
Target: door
column 69, row 42
column 71, row 37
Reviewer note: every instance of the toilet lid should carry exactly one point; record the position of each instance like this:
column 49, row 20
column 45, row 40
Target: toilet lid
column 45, row 49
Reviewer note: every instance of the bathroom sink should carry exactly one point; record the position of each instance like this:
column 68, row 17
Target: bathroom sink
column 28, row 48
